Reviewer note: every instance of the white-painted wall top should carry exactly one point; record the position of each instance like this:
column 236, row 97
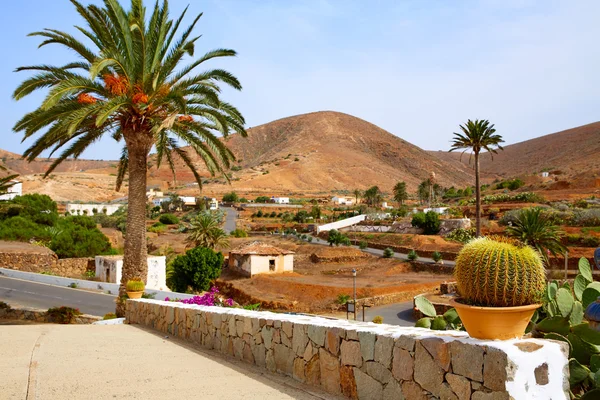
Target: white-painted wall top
column 80, row 209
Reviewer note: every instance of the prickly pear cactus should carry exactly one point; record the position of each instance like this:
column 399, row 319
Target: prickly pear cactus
column 499, row 272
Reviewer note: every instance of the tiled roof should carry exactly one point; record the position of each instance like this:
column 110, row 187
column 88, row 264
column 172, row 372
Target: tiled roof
column 260, row 248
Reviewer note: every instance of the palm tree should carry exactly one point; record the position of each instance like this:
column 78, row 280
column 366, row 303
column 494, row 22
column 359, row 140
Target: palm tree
column 6, row 182
column 129, row 82
column 400, row 193
column 357, row 193
column 533, row 228
column 205, row 231
column 373, row 196
column 477, row 136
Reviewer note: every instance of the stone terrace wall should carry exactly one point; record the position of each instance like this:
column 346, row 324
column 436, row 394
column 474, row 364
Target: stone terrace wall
column 28, row 262
column 365, row 360
column 74, row 267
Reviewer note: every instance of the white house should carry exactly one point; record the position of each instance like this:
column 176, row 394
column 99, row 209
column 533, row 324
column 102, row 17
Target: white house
column 158, row 200
column 188, row 200
column 213, row 204
column 110, row 268
column 261, row 258
column 81, row 209
column 151, row 193
column 280, row 200
column 346, row 201
column 16, row 189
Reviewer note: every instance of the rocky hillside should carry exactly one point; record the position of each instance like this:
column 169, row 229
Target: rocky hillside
column 325, row 151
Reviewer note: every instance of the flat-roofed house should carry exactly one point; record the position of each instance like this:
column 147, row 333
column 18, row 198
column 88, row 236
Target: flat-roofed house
column 261, row 258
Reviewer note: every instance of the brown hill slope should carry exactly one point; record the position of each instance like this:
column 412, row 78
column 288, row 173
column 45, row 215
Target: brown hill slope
column 325, row 151
column 14, row 162
column 571, row 152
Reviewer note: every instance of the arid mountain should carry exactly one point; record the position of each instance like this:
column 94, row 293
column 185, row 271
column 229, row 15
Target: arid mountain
column 14, row 162
column 325, row 151
column 571, row 156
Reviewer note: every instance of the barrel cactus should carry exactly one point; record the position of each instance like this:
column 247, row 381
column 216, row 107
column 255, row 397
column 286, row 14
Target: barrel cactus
column 499, row 272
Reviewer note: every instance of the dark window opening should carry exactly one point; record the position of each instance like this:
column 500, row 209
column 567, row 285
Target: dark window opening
column 271, row 265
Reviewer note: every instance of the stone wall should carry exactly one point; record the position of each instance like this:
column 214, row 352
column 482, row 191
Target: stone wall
column 74, row 267
column 447, row 225
column 365, row 360
column 40, row 316
column 43, row 261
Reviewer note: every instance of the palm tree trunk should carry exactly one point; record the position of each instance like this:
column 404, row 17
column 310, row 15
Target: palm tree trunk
column 477, row 198
column 135, row 264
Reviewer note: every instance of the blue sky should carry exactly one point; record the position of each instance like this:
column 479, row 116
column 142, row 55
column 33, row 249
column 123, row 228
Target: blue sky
column 415, row 68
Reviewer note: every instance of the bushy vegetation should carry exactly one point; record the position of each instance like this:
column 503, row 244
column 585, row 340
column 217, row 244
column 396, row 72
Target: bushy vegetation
column 168, row 219
column 388, row 253
column 157, row 227
column 362, row 245
column 342, row 298
column 335, row 237
column 63, row 315
column 239, row 233
column 513, row 184
column 35, row 217
column 429, row 222
column 262, row 199
column 194, row 271
column 461, row 235
column 230, row 197
column 534, row 229
column 581, row 240
column 412, row 255
column 378, row 319
column 436, row 256
column 525, row 197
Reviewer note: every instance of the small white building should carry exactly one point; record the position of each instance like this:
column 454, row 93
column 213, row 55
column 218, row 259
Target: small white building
column 110, row 268
column 261, row 258
column 88, row 209
column 16, row 189
column 385, row 205
column 151, row 193
column 213, row 204
column 345, row 201
column 157, row 201
column 437, row 210
column 545, row 174
column 280, row 200
column 188, row 200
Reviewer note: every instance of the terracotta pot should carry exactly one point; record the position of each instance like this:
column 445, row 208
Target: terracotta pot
column 494, row 323
column 135, row 295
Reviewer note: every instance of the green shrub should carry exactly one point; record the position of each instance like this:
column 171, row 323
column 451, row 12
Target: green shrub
column 75, row 240
column 231, row 197
column 436, row 256
column 38, row 208
column 259, row 214
column 589, row 217
column 168, row 219
column 239, row 233
column 4, row 306
column 262, row 199
column 335, row 237
column 195, row 270
column 412, row 255
column 461, row 235
column 510, row 184
column 63, row 315
column 429, row 222
column 22, row 229
column 378, row 319
column 388, row 253
column 109, row 316
column 342, row 298
column 157, row 227
column 582, row 240
column 362, row 245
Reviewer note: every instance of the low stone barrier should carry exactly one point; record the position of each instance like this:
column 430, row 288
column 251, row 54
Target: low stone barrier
column 74, row 267
column 41, row 316
column 366, row 360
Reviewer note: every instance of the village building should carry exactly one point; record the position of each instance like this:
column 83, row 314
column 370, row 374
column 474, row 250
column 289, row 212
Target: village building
column 16, row 189
column 260, row 258
column 91, row 209
column 110, row 268
column 343, row 201
column 280, row 200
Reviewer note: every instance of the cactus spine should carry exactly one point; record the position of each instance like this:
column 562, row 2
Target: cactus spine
column 494, row 272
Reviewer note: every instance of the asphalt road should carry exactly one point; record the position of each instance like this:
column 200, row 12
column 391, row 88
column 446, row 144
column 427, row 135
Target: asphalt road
column 230, row 219
column 378, row 252
column 394, row 314
column 39, row 295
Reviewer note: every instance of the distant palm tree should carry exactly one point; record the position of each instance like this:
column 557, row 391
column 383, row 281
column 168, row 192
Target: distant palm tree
column 477, row 136
column 205, row 231
column 533, row 228
column 373, row 196
column 131, row 85
column 400, row 193
column 357, row 194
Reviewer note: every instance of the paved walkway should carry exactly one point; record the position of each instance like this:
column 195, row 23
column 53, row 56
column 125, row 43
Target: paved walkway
column 53, row 362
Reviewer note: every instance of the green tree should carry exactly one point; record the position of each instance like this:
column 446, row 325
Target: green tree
column 315, row 212
column 357, row 194
column 423, row 190
column 39, row 208
column 335, row 237
column 130, row 83
column 477, row 136
column 205, row 231
column 400, row 193
column 194, row 271
column 533, row 228
column 373, row 196
column 231, row 197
